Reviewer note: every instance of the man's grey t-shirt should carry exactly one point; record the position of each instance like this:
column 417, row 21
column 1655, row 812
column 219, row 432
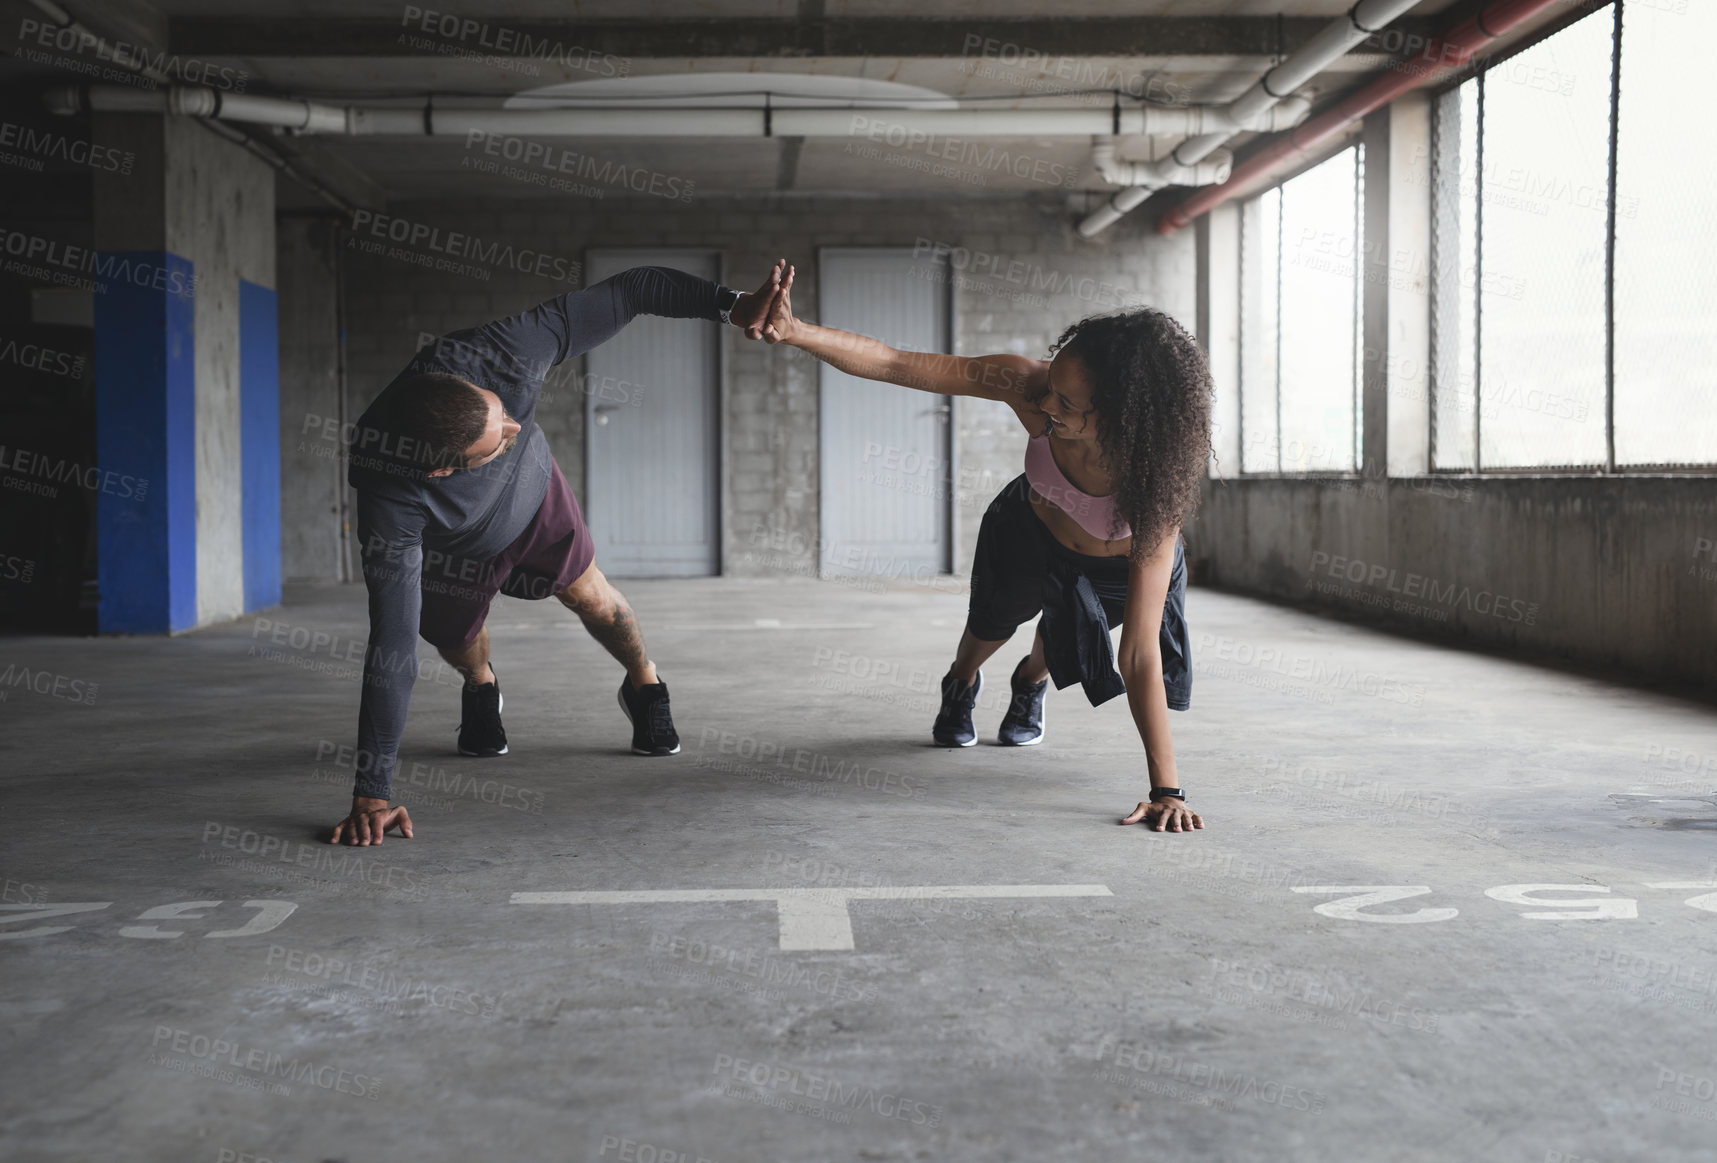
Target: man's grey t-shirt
column 406, row 517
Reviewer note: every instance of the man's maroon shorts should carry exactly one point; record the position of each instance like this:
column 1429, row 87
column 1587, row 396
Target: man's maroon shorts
column 551, row 554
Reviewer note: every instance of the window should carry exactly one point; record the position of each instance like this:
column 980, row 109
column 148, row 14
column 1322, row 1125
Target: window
column 1569, row 321
column 1666, row 242
column 1301, row 336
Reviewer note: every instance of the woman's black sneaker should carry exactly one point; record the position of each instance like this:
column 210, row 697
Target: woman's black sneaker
column 1022, row 726
column 652, row 724
column 480, row 730
column 954, row 721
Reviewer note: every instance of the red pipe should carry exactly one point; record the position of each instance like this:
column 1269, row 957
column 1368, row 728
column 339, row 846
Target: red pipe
column 1442, row 54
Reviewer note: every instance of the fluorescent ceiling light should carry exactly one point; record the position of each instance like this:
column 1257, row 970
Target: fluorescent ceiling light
column 732, row 91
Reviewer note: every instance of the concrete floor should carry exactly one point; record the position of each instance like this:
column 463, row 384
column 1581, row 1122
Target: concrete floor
column 406, row 1010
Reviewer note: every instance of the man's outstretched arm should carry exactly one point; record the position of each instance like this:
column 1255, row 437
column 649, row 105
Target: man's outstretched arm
column 393, row 561
column 573, row 323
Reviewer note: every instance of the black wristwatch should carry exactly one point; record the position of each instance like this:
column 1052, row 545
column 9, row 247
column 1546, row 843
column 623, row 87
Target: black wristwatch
column 1166, row 793
column 727, row 299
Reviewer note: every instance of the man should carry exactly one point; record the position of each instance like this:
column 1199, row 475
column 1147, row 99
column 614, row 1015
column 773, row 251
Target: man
column 459, row 499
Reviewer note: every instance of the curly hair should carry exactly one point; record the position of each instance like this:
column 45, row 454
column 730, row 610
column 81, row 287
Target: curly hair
column 1151, row 391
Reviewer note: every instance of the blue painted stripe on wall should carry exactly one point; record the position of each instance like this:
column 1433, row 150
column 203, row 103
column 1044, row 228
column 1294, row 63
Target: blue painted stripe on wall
column 259, row 443
column 145, row 394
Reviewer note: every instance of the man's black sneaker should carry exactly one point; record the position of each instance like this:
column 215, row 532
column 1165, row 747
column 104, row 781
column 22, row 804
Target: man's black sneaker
column 480, row 730
column 1022, row 726
column 652, row 723
column 954, row 721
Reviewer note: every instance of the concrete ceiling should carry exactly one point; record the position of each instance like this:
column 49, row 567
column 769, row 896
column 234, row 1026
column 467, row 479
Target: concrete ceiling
column 1002, row 53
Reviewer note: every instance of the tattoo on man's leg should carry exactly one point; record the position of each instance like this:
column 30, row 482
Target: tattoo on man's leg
column 618, row 632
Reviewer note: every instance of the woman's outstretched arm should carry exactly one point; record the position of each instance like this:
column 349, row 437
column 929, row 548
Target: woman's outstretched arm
column 1141, row 665
column 991, row 377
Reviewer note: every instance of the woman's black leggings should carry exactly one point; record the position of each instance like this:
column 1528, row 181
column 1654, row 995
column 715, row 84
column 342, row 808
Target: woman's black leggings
column 1015, row 553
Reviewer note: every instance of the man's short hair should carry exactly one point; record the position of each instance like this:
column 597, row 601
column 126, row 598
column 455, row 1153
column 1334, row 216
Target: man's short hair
column 443, row 415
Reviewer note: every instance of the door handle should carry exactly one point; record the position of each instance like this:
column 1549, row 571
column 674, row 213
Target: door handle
column 602, row 411
column 944, row 411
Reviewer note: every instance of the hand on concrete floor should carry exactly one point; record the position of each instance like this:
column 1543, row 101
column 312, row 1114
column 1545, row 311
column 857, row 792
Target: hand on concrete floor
column 368, row 820
column 1166, row 816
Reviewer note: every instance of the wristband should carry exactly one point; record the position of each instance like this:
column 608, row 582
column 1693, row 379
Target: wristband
column 1167, row 793
column 727, row 299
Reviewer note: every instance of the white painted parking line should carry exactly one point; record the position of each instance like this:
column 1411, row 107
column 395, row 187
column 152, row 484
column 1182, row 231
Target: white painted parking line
column 813, row 919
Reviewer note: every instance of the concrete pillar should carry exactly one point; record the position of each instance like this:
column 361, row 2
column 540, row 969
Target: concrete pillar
column 312, row 476
column 186, row 370
column 1372, row 266
column 1409, row 316
column 1397, row 422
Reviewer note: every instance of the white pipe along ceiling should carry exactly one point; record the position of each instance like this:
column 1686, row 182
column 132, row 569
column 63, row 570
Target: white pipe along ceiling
column 1338, row 38
column 658, row 120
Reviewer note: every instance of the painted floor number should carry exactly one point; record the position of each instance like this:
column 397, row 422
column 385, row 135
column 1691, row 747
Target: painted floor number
column 269, row 915
column 1358, row 898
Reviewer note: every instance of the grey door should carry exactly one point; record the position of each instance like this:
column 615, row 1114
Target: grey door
column 651, row 419
column 885, row 449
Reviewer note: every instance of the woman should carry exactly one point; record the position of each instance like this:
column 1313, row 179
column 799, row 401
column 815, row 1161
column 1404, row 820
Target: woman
column 1119, row 419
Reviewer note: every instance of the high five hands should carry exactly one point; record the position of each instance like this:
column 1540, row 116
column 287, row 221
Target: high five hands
column 753, row 309
column 781, row 321
column 766, row 313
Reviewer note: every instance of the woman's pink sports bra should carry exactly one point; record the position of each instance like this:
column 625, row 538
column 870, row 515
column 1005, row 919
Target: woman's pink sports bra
column 1093, row 514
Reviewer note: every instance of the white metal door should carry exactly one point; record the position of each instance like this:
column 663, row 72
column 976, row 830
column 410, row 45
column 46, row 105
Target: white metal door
column 885, row 450
column 651, row 416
